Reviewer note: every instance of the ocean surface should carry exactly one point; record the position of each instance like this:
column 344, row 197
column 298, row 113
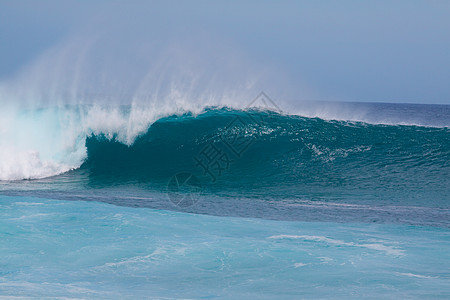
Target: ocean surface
column 338, row 200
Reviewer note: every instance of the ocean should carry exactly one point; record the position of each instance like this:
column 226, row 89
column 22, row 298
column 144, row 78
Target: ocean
column 337, row 200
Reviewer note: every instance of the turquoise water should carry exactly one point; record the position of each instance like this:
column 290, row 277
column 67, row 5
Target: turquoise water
column 76, row 249
column 226, row 204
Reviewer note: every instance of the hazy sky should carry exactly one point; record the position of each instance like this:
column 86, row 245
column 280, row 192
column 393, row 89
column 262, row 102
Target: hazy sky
column 383, row 51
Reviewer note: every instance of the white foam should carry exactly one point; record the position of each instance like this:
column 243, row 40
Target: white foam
column 416, row 275
column 136, row 259
column 299, row 265
column 373, row 246
column 28, row 203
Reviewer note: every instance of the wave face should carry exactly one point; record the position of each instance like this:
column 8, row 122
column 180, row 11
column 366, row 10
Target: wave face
column 280, row 155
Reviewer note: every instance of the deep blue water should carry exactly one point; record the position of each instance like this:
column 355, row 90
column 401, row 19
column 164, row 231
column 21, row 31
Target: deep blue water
column 231, row 204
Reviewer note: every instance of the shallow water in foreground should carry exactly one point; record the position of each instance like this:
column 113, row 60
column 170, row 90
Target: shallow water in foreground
column 79, row 249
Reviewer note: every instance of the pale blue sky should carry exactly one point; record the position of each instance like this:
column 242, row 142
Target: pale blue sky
column 383, row 51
